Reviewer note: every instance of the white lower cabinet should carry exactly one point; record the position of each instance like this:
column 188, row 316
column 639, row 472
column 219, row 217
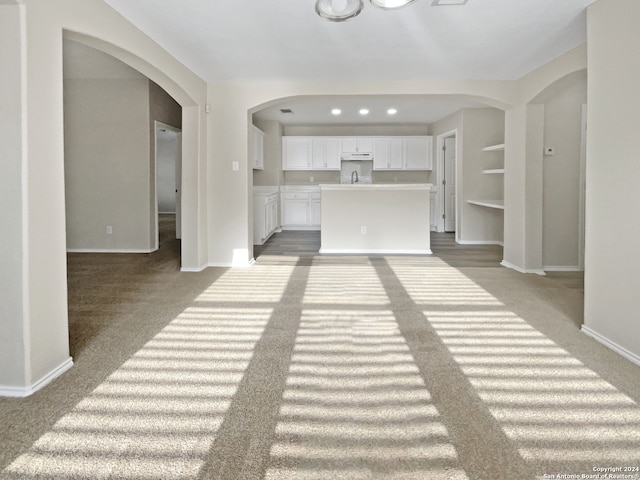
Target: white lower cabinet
column 433, row 209
column 265, row 215
column 300, row 209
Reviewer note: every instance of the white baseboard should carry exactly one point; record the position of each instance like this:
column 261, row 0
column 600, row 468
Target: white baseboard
column 21, row 392
column 632, row 357
column 109, row 250
column 561, row 268
column 433, row 228
column 311, row 229
column 480, row 242
column 347, row 251
column 193, row 269
column 504, row 263
column 233, row 264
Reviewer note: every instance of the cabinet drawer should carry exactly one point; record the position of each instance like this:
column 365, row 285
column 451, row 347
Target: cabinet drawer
column 293, row 196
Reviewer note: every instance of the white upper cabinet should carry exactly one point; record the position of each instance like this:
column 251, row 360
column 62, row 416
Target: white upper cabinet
column 418, row 153
column 403, row 153
column 257, row 148
column 297, row 153
column 387, row 154
column 357, row 145
column 325, row 153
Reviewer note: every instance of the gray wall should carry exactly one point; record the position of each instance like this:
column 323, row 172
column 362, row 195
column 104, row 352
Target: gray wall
column 107, row 163
column 561, row 172
column 162, row 108
column 110, row 152
column 272, row 174
column 481, row 127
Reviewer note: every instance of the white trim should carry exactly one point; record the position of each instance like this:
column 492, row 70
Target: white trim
column 506, row 264
column 366, row 251
column 632, row 357
column 297, row 227
column 21, row 392
column 562, row 268
column 193, row 269
column 439, row 178
column 480, row 242
column 582, row 187
column 109, row 250
column 375, row 186
column 233, row 264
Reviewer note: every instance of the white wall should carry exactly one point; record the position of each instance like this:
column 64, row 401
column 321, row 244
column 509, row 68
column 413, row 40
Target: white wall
column 612, row 260
column 13, row 354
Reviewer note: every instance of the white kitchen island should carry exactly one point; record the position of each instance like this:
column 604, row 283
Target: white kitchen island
column 375, row 218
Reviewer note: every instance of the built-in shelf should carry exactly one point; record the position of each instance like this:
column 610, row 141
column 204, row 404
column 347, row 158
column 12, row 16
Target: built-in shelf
column 488, row 203
column 494, row 148
column 494, row 170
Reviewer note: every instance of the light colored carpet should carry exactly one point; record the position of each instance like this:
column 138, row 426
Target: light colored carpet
column 330, row 368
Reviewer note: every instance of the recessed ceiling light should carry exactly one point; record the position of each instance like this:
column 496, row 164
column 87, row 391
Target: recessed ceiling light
column 336, row 111
column 390, row 4
column 364, row 111
column 442, row 3
column 392, row 111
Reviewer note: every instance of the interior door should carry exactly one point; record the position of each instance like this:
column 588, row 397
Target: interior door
column 449, row 184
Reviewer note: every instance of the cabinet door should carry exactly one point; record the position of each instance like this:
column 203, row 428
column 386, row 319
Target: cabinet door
column 297, row 153
column 349, row 145
column 417, row 153
column 381, row 153
column 318, row 154
column 365, row 145
column 396, row 150
column 257, row 148
column 332, row 153
column 296, row 210
column 272, row 216
column 314, row 219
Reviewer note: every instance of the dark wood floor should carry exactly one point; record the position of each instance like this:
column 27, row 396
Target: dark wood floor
column 306, row 244
column 443, row 245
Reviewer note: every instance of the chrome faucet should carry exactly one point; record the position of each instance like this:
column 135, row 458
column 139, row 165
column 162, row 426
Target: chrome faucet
column 356, row 173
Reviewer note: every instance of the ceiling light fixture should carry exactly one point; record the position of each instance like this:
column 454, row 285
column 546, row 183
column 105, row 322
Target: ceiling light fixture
column 336, row 111
column 338, row 10
column 442, row 3
column 391, row 4
column 392, row 111
column 341, row 10
column 364, row 111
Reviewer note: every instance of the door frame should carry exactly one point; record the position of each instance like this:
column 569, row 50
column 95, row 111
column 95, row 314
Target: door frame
column 440, row 178
column 178, row 131
column 582, row 187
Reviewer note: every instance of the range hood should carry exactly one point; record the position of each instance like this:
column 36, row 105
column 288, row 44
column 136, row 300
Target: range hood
column 356, row 156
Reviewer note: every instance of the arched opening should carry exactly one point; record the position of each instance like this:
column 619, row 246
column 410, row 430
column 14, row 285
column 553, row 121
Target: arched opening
column 191, row 244
column 563, row 171
column 420, row 114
